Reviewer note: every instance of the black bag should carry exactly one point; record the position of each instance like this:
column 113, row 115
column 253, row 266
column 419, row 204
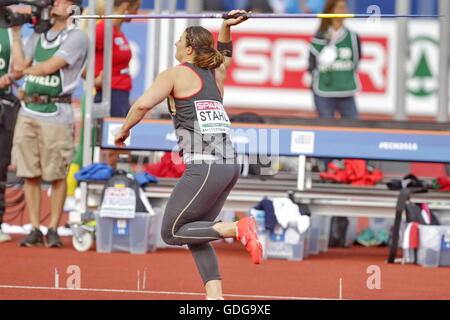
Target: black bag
column 408, row 181
column 121, row 177
column 402, row 201
column 338, row 232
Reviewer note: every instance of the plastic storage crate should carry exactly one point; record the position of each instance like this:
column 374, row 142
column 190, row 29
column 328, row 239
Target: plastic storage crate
column 126, row 235
column 409, row 255
column 278, row 246
column 274, row 244
column 306, row 244
column 351, row 234
column 314, row 231
column 434, row 246
column 319, row 234
column 324, row 235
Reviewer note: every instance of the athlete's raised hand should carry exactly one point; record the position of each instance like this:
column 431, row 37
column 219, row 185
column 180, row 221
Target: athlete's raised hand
column 235, row 21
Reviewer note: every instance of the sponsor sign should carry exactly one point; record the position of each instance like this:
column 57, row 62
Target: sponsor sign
column 211, row 117
column 118, row 203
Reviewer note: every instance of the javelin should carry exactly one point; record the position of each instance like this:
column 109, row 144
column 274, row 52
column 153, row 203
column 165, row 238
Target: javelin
column 251, row 16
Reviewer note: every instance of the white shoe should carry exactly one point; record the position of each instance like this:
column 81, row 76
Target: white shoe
column 4, row 236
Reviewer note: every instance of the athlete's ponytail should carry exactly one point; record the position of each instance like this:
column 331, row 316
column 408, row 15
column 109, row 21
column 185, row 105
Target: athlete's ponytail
column 208, row 58
column 202, row 41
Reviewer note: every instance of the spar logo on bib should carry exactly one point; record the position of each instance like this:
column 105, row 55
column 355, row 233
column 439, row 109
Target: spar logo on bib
column 212, row 117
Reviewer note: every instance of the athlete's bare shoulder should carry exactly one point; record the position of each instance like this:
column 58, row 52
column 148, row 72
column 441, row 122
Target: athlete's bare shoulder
column 182, row 68
column 184, row 72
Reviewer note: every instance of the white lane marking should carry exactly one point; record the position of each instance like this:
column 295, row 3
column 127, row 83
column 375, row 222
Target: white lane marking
column 160, row 292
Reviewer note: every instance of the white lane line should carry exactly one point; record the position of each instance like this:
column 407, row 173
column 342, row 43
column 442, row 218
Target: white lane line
column 159, row 292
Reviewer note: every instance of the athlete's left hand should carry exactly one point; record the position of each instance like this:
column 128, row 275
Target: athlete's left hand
column 120, row 137
column 238, row 20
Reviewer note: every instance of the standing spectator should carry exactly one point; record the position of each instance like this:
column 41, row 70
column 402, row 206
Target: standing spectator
column 121, row 82
column 43, row 138
column 77, row 161
column 9, row 106
column 333, row 62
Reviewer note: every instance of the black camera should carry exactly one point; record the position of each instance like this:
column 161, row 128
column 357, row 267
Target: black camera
column 40, row 16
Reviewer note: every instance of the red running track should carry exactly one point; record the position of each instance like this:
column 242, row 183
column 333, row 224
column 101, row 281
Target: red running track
column 171, row 274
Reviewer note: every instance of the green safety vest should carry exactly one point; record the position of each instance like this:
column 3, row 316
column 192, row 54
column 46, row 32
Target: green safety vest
column 339, row 78
column 5, row 57
column 50, row 85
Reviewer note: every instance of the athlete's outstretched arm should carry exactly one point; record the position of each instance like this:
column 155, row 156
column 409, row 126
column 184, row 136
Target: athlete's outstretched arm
column 161, row 88
column 225, row 32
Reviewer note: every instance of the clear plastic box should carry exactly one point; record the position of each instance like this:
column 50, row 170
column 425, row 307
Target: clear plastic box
column 126, row 235
column 278, row 248
column 306, row 244
column 324, row 234
column 274, row 244
column 314, row 231
column 319, row 234
column 434, row 246
column 351, row 234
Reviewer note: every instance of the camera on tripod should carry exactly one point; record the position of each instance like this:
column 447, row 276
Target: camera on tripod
column 40, row 16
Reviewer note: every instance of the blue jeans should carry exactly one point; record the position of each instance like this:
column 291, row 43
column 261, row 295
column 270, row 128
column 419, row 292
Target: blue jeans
column 326, row 107
column 120, row 102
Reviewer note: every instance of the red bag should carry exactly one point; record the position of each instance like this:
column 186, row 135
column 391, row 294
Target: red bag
column 170, row 166
column 354, row 172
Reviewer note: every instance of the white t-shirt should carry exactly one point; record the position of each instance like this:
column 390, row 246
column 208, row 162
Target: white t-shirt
column 73, row 49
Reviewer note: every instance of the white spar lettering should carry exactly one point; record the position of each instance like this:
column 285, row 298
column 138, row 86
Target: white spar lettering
column 208, row 105
column 2, row 63
column 281, row 62
column 252, row 52
column 258, row 60
column 375, row 64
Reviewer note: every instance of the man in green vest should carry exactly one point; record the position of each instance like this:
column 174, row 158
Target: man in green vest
column 9, row 106
column 43, row 143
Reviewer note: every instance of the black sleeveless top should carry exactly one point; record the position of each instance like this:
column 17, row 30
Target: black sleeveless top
column 201, row 123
